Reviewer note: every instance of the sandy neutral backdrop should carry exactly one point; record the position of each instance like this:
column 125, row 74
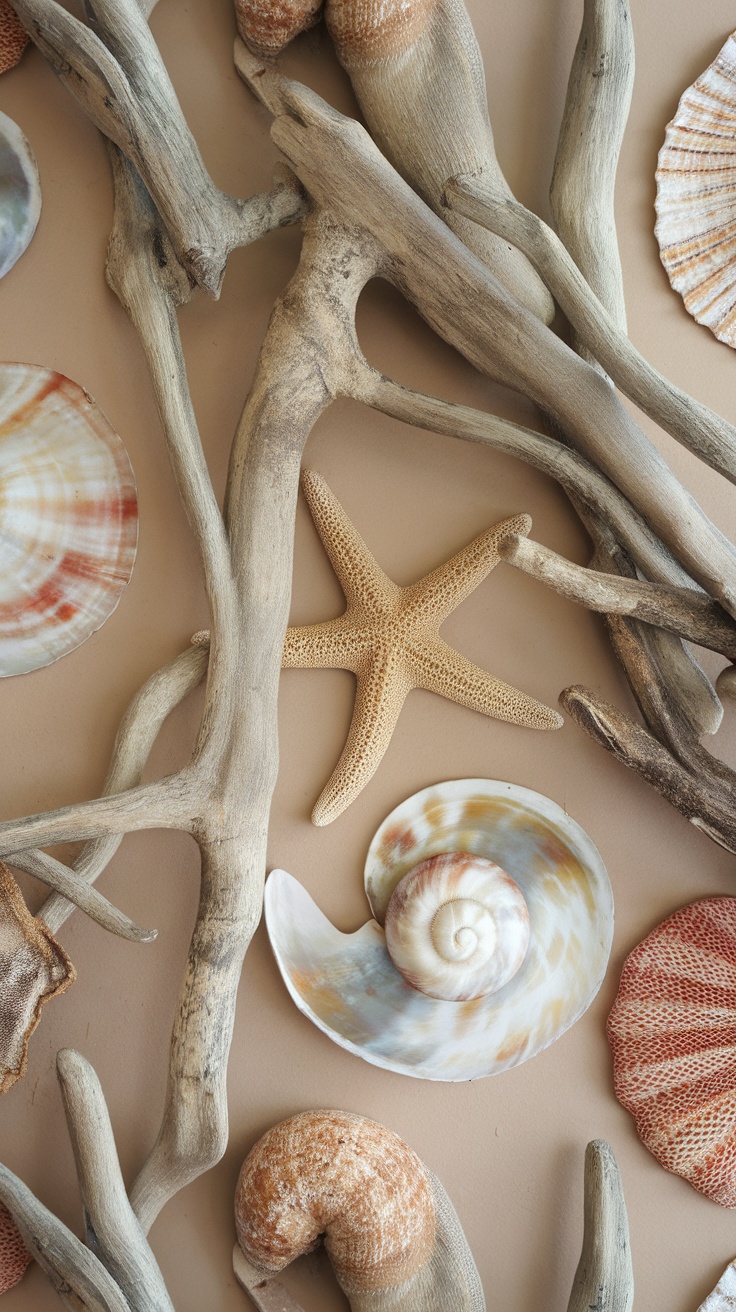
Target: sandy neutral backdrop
column 509, row 1149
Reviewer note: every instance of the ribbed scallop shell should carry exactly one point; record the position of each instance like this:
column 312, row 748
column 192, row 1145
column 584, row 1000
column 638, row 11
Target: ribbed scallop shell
column 20, row 193
column 349, row 987
column 696, row 197
column 14, row 1256
column 673, row 1035
column 68, row 517
column 457, row 927
column 13, row 39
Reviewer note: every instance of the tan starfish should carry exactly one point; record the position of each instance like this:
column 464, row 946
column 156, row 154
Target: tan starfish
column 389, row 638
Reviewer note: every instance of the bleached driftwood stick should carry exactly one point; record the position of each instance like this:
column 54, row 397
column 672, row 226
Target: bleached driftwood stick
column 684, row 611
column 596, row 112
column 604, row 1278
column 710, row 437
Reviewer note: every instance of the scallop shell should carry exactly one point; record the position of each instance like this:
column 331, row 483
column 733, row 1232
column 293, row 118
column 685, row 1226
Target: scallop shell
column 349, row 987
column 696, row 197
column 20, row 193
column 13, row 39
column 673, row 1035
column 14, row 1256
column 68, row 517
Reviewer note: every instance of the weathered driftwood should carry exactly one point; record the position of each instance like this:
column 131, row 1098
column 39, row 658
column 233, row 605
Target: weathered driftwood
column 604, row 1278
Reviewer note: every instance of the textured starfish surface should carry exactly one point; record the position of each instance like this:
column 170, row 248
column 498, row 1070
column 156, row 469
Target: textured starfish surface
column 13, row 37
column 389, row 638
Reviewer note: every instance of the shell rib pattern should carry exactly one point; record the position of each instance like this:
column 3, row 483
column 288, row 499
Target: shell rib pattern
column 68, row 517
column 548, row 955
column 20, row 192
column 672, row 1030
column 696, row 197
column 13, row 39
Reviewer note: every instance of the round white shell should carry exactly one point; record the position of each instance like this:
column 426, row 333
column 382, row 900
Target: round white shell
column 696, row 197
column 457, row 927
column 349, row 987
column 20, row 193
column 68, row 517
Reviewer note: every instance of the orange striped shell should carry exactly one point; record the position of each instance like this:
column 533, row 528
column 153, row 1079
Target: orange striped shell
column 673, row 1035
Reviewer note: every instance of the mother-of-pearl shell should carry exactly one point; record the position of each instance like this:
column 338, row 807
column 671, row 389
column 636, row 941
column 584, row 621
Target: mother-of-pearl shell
column 20, row 193
column 349, row 987
column 696, row 197
column 672, row 1030
column 68, row 517
column 457, row 927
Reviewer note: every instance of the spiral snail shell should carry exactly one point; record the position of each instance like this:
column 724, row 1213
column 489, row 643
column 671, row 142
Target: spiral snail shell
column 457, row 927
column 391, row 1233
column 383, row 991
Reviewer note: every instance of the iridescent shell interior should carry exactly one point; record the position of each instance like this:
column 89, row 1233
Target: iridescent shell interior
column 696, row 197
column 20, row 193
column 349, row 987
column 68, row 517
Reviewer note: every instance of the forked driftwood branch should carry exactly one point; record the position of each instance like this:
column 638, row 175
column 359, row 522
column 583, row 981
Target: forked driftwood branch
column 172, row 231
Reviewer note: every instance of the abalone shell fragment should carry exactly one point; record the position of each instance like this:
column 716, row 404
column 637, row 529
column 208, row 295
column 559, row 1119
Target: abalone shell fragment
column 696, row 197
column 68, row 517
column 20, row 194
column 33, row 969
column 350, row 988
column 672, row 1031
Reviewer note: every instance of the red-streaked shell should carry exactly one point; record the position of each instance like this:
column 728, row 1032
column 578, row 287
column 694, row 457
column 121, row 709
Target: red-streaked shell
column 673, row 1035
column 345, row 1177
column 68, row 517
column 34, row 968
column 267, row 26
column 696, row 197
column 20, row 194
column 14, row 1256
column 13, row 37
column 457, row 927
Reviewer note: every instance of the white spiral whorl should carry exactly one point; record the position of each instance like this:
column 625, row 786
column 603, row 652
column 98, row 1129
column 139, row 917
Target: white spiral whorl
column 457, row 927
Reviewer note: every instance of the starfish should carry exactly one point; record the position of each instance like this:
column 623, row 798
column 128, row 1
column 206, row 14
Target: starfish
column 389, row 638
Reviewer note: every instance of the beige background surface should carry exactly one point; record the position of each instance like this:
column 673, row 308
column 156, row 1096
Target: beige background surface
column 509, row 1149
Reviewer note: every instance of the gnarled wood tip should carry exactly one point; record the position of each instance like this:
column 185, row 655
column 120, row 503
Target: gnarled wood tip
column 267, row 26
column 371, row 31
column 33, row 969
column 341, row 1176
column 14, row 1256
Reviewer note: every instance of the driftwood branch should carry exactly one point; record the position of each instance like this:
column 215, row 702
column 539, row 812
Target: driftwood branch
column 604, row 1278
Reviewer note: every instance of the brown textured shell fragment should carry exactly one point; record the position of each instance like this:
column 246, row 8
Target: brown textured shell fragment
column 367, row 30
column 267, row 26
column 13, row 37
column 14, row 1256
column 343, row 1176
column 33, row 969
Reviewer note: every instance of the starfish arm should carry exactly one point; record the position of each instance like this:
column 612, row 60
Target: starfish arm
column 439, row 668
column 436, row 595
column 364, row 583
column 382, row 687
column 332, row 645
